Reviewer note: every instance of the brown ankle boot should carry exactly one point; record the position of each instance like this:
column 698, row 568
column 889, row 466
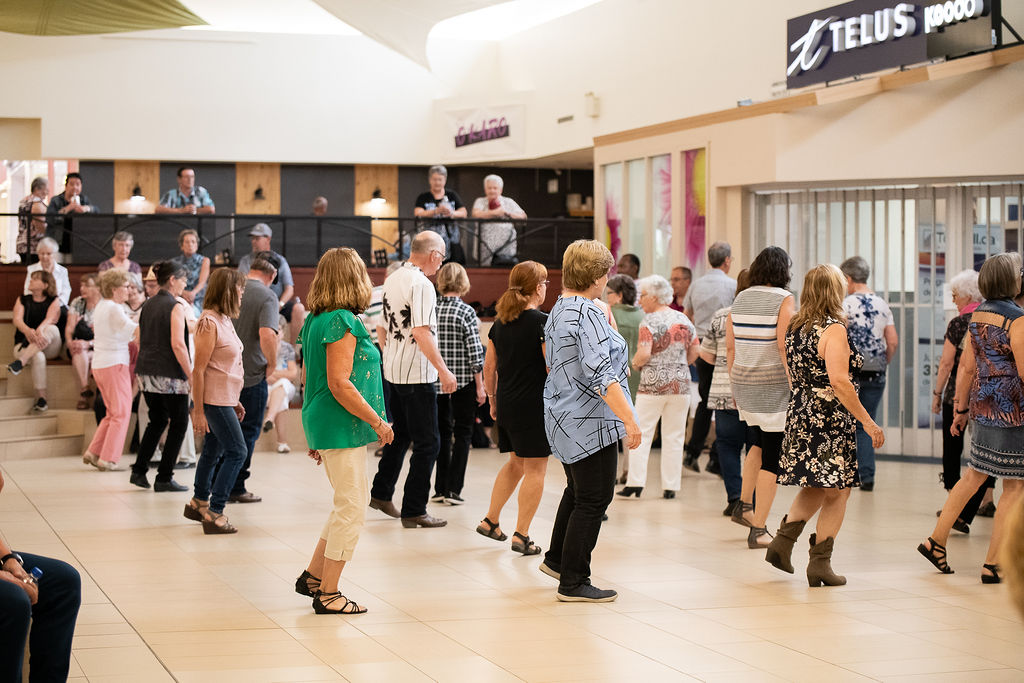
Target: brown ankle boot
column 819, row 569
column 780, row 551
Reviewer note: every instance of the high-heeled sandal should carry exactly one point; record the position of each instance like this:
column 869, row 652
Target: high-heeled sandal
column 320, row 604
column 194, row 512
column 524, row 545
column 756, row 538
column 210, row 526
column 739, row 511
column 491, row 531
column 936, row 555
column 994, row 576
column 307, row 584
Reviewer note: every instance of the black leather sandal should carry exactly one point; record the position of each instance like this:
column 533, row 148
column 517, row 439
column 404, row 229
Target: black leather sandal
column 524, row 545
column 322, row 600
column 936, row 555
column 994, row 576
column 307, row 584
column 491, row 531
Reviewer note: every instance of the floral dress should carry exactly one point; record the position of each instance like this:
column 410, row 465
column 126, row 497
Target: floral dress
column 820, row 445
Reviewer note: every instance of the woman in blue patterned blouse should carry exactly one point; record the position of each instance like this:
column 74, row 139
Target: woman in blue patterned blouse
column 586, row 412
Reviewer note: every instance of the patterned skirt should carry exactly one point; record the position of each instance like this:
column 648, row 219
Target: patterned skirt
column 997, row 451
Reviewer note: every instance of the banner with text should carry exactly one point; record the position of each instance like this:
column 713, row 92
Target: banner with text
column 486, row 131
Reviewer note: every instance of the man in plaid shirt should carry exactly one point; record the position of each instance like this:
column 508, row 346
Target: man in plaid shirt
column 458, row 339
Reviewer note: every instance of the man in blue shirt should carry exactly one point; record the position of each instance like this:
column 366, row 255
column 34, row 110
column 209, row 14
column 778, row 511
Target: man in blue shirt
column 187, row 197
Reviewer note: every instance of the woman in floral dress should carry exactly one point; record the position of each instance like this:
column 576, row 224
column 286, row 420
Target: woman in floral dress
column 819, row 450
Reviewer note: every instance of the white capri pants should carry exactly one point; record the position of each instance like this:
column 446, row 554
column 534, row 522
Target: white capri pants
column 673, row 410
column 346, row 470
column 38, row 360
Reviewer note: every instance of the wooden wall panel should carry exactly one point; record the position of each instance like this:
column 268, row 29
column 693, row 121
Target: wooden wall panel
column 369, row 178
column 248, row 177
column 128, row 174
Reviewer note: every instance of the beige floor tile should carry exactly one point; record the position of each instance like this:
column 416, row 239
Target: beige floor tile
column 395, row 671
column 135, row 660
column 885, row 669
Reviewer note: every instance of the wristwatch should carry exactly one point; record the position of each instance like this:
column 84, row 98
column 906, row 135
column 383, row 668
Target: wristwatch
column 16, row 556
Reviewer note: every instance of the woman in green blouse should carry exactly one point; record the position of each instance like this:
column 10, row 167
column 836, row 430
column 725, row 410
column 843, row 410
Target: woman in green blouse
column 342, row 412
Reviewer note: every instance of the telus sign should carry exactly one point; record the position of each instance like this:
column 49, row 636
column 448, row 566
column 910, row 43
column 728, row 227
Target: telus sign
column 868, row 35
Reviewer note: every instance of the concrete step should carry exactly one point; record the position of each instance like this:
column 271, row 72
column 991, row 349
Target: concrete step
column 16, row 406
column 28, row 447
column 33, row 425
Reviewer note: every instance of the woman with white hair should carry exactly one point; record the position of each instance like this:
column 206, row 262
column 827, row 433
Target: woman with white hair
column 668, row 345
column 966, row 298
column 441, row 206
column 46, row 250
column 497, row 240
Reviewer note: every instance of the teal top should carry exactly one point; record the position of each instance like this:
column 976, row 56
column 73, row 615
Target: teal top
column 327, row 423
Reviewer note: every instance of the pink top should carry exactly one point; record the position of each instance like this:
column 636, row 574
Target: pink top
column 223, row 376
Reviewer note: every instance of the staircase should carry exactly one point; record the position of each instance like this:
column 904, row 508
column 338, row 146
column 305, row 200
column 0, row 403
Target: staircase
column 25, row 435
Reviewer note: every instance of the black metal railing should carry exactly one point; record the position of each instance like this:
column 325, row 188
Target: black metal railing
column 302, row 239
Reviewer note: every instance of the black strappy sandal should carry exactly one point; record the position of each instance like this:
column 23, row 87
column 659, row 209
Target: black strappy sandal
column 994, row 576
column 307, row 584
column 320, row 604
column 936, row 555
column 524, row 545
column 492, row 530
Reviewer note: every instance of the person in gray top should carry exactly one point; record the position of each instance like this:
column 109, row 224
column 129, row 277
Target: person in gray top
column 256, row 325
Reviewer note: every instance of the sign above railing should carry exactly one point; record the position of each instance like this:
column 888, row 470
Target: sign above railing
column 864, row 36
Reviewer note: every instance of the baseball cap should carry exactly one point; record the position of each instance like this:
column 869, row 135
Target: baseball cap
column 261, row 230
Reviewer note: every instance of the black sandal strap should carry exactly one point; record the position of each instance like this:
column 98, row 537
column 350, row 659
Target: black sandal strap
column 334, row 597
column 936, row 554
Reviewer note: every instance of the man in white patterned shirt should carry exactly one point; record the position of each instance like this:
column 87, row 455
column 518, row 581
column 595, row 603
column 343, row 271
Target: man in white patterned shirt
column 412, row 363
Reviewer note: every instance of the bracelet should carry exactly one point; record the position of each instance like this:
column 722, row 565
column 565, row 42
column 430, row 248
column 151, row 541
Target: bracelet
column 936, row 393
column 963, row 412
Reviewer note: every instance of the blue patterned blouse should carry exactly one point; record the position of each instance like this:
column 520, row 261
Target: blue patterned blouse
column 585, row 356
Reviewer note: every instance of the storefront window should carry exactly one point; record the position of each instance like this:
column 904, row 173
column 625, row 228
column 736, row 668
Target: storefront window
column 637, row 207
column 661, row 212
column 612, row 174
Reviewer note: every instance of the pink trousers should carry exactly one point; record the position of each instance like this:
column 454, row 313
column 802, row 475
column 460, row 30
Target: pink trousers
column 115, row 383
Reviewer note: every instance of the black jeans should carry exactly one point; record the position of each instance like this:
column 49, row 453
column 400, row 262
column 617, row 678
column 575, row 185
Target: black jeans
column 589, row 485
column 456, row 414
column 163, row 408
column 414, row 409
column 952, row 450
column 702, row 419
column 52, row 622
column 254, row 400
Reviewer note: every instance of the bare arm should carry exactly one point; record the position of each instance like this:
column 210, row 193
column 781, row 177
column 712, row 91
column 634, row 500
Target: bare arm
column 204, row 275
column 708, row 358
column 459, row 213
column 942, row 375
column 428, row 347
column 730, row 345
column 964, row 379
column 782, row 326
column 834, row 348
column 382, row 336
column 693, row 351
column 178, row 345
column 268, row 344
column 207, row 209
column 287, row 293
column 892, row 341
column 205, row 339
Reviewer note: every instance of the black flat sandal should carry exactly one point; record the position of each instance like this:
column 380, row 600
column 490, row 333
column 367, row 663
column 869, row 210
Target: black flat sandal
column 320, row 604
column 994, row 576
column 936, row 555
column 524, row 545
column 307, row 584
column 492, row 530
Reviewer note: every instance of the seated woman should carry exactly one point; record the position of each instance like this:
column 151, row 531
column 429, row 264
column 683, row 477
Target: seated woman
column 282, row 390
column 197, row 266
column 36, row 337
column 78, row 335
column 123, row 243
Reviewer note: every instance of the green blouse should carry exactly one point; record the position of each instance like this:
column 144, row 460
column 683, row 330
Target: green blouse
column 327, row 423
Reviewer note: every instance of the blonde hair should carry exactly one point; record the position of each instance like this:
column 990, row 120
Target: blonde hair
column 822, row 298
column 110, row 280
column 452, row 279
column 584, row 263
column 222, row 292
column 523, row 282
column 341, row 281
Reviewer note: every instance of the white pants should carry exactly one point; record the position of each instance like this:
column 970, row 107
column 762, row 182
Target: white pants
column 673, row 410
column 37, row 361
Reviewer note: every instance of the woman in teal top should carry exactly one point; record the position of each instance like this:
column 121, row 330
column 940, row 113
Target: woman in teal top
column 342, row 412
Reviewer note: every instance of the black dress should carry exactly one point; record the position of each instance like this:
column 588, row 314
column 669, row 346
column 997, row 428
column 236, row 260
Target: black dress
column 520, row 392
column 820, row 444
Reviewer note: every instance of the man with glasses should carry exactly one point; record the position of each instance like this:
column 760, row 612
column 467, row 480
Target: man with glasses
column 412, row 364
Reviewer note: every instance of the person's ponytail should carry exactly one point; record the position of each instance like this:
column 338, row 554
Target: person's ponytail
column 523, row 282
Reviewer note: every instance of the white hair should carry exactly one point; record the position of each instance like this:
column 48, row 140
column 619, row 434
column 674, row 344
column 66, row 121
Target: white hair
column 965, row 283
column 494, row 178
column 49, row 243
column 656, row 286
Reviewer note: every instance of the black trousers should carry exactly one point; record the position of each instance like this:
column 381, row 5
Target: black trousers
column 589, row 485
column 414, row 408
column 164, row 410
column 702, row 418
column 456, row 414
column 952, row 451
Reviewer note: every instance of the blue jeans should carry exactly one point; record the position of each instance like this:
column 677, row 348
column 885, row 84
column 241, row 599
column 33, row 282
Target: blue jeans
column 254, row 400
column 222, row 457
column 871, row 388
column 733, row 438
column 52, row 622
column 414, row 408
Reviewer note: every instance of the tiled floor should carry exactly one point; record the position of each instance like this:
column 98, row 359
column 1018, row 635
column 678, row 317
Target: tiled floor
column 164, row 602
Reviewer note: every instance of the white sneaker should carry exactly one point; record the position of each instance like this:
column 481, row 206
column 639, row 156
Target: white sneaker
column 107, row 466
column 284, row 448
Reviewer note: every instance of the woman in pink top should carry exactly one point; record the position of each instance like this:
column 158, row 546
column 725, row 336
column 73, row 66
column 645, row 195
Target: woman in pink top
column 113, row 330
column 216, row 385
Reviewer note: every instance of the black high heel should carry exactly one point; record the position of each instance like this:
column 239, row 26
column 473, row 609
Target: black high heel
column 320, row 604
column 630, row 491
column 994, row 576
column 307, row 584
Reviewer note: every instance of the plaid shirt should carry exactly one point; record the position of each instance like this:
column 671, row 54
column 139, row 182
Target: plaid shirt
column 458, row 339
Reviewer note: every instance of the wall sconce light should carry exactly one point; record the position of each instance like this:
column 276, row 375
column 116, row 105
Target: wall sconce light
column 258, row 194
column 137, row 195
column 377, row 199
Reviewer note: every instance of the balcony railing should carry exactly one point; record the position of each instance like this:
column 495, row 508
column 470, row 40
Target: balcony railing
column 302, row 239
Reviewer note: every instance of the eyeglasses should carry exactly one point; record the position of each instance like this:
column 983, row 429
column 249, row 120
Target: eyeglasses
column 438, row 252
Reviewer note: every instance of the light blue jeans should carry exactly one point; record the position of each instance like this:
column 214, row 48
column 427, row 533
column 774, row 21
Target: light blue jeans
column 871, row 388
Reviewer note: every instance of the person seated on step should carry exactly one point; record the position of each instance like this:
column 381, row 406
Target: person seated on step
column 78, row 335
column 282, row 390
column 36, row 337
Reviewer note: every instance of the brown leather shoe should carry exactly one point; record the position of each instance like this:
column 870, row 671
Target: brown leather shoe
column 385, row 506
column 247, row 497
column 424, row 521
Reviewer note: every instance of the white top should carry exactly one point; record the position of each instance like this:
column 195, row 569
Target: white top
column 409, row 301
column 113, row 329
column 60, row 274
column 499, row 239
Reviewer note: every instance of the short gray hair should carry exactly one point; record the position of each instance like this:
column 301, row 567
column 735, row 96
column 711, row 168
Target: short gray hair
column 494, row 178
column 965, row 283
column 656, row 286
column 718, row 252
column 123, row 236
column 49, row 243
column 857, row 269
column 437, row 169
column 135, row 280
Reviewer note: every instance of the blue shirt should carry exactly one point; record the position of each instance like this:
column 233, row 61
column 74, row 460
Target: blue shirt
column 174, row 199
column 284, row 273
column 585, row 356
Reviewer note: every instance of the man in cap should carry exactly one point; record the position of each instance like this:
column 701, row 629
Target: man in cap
column 283, row 286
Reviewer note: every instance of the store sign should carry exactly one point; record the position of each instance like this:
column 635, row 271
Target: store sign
column 486, row 131
column 869, row 35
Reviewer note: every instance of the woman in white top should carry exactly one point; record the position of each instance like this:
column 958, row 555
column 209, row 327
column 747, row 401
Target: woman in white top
column 46, row 251
column 498, row 240
column 113, row 331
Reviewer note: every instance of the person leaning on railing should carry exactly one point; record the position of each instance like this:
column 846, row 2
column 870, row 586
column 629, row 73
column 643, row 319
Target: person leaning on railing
column 498, row 240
